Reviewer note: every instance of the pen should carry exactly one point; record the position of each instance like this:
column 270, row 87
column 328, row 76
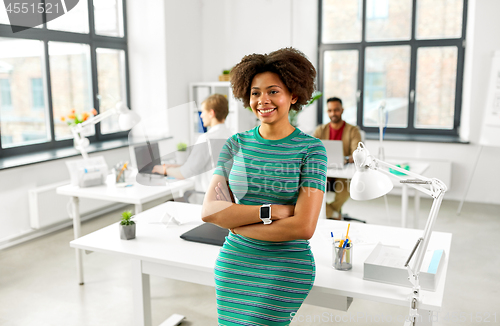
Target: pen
column 120, row 174
column 345, row 243
column 343, row 250
column 341, row 244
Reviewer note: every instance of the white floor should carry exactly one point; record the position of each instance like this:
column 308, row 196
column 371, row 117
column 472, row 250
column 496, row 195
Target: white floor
column 38, row 279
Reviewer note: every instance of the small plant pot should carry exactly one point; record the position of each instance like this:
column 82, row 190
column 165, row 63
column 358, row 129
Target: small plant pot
column 127, row 232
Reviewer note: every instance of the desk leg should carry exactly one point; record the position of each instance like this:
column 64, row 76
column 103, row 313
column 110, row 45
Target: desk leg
column 142, row 295
column 404, row 205
column 77, row 234
column 138, row 208
column 417, row 209
column 426, row 318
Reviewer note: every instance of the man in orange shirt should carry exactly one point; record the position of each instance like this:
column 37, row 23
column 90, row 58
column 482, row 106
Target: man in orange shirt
column 338, row 129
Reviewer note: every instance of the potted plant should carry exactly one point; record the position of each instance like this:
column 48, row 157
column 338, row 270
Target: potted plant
column 294, row 115
column 127, row 226
column 181, row 154
column 225, row 75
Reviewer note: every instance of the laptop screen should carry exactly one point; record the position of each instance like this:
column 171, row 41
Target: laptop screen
column 334, row 153
column 147, row 156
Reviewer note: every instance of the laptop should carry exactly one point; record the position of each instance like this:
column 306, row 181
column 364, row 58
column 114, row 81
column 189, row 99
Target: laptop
column 334, row 153
column 146, row 157
column 207, row 233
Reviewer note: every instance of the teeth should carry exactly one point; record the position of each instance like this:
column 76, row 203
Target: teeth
column 266, row 111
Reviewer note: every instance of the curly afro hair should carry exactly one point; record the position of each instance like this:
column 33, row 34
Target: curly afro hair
column 291, row 65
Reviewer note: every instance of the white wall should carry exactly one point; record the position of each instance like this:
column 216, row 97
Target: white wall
column 147, row 57
column 183, row 24
column 165, row 49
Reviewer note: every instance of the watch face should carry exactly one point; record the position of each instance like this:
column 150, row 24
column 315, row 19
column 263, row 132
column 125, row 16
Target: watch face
column 264, row 212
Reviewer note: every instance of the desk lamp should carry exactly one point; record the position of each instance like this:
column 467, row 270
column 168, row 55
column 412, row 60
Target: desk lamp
column 371, row 181
column 126, row 121
column 382, row 124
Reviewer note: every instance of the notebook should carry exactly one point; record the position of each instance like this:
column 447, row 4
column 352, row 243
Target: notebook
column 207, row 233
column 334, row 153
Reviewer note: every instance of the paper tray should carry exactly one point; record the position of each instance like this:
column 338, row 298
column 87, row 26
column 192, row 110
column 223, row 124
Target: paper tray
column 386, row 264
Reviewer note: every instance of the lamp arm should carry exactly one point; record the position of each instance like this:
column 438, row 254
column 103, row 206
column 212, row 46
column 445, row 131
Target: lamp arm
column 77, row 129
column 415, row 186
column 409, row 173
column 436, row 204
column 96, row 119
column 414, row 272
column 77, row 138
column 436, row 185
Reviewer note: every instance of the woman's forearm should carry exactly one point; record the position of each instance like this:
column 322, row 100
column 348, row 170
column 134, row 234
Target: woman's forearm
column 229, row 215
column 292, row 228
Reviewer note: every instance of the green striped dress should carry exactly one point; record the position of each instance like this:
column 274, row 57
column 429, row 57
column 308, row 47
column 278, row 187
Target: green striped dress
column 264, row 282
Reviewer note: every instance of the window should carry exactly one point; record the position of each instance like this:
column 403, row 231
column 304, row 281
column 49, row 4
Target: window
column 5, row 97
column 109, row 17
column 76, row 61
column 38, row 101
column 377, row 9
column 111, row 81
column 408, row 54
column 71, row 80
column 22, row 61
column 76, row 19
column 375, row 89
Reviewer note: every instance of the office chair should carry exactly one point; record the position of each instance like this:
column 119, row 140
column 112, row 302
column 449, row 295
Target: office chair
column 346, row 217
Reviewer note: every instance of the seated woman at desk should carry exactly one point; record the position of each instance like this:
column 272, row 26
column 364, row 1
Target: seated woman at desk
column 214, row 110
column 277, row 175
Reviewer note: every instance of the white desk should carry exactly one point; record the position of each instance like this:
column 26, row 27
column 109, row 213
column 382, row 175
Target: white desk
column 416, row 167
column 137, row 195
column 159, row 251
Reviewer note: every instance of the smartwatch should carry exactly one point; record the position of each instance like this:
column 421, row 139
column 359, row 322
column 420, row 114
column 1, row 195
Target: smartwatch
column 265, row 214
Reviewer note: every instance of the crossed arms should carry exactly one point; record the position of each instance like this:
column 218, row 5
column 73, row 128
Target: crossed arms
column 290, row 222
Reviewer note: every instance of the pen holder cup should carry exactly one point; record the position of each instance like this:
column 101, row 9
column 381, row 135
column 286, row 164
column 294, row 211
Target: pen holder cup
column 124, row 176
column 342, row 257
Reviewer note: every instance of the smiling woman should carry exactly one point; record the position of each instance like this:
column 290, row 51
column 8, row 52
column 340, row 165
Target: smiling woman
column 277, row 175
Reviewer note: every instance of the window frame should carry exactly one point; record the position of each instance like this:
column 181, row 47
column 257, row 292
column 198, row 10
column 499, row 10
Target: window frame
column 94, row 41
column 414, row 44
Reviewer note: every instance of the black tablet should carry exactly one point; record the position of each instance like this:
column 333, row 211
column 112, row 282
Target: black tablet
column 207, row 233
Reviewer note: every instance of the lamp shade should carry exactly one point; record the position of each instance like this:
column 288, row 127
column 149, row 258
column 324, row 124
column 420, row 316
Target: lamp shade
column 368, row 184
column 128, row 120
